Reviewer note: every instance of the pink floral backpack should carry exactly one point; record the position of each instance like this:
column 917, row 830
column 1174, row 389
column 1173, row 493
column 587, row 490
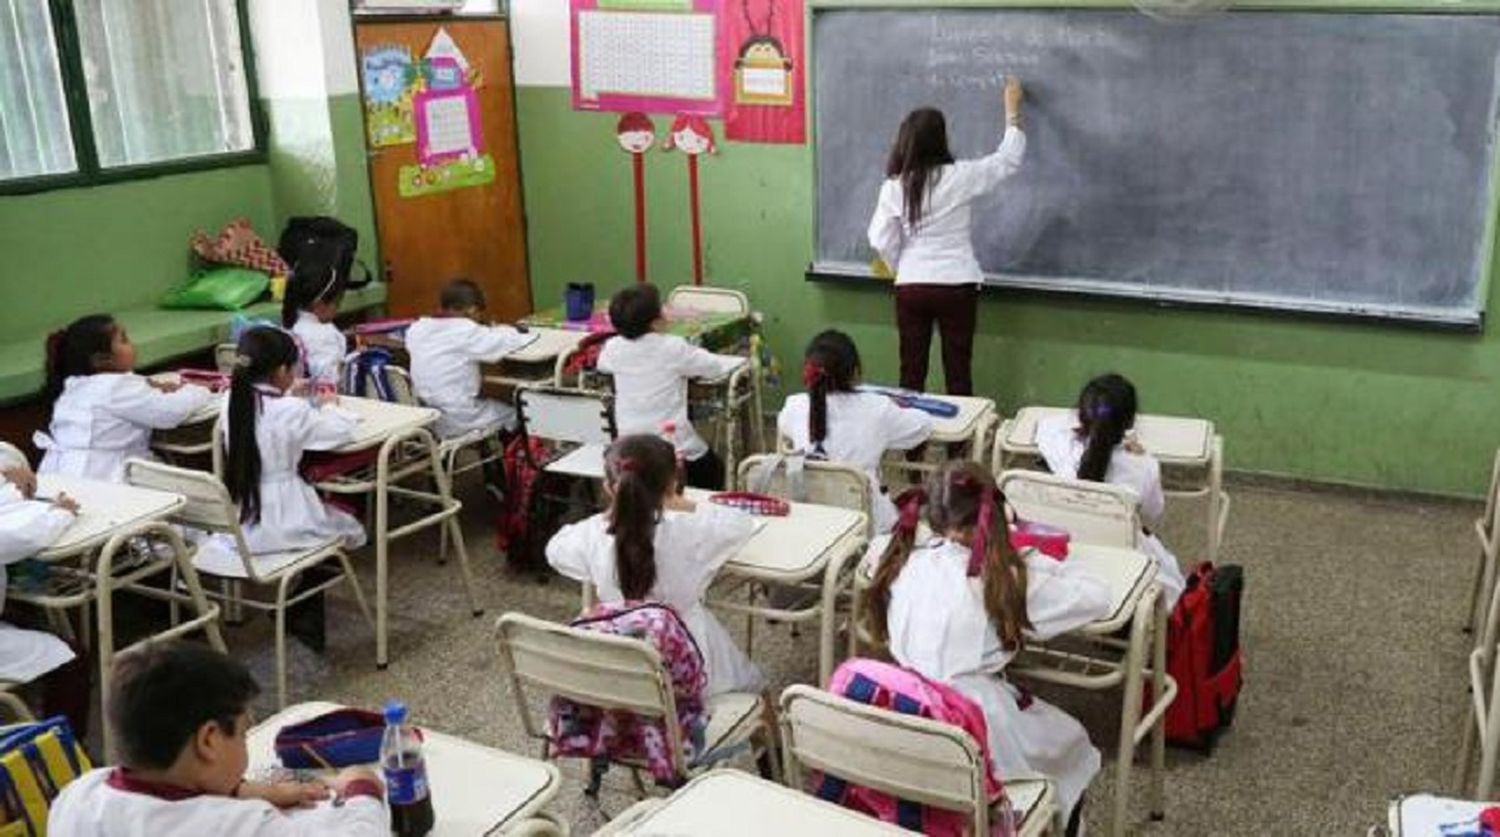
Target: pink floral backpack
column 612, row 736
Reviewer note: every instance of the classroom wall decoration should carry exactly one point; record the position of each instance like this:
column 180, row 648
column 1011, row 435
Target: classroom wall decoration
column 636, row 135
column 450, row 143
column 764, row 61
column 391, row 80
column 653, row 56
column 691, row 135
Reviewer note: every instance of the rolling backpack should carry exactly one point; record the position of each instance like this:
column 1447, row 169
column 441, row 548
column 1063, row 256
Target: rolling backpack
column 1204, row 656
column 323, row 235
column 37, row 760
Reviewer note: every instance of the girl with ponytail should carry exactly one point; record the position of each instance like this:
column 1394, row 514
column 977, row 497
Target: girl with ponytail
column 266, row 433
column 955, row 604
column 1094, row 443
column 103, row 413
column 312, row 299
column 654, row 544
column 835, row 421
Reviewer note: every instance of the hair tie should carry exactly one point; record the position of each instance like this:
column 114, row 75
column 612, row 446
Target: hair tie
column 910, row 503
column 812, row 373
column 980, row 549
column 333, row 277
column 626, row 465
column 1101, row 411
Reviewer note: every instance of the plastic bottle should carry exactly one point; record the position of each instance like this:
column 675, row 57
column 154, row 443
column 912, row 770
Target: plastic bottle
column 406, row 789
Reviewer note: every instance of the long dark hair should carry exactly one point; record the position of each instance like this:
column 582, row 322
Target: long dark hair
column 921, row 146
column 639, row 471
column 1106, row 409
column 77, row 349
column 315, row 278
column 963, row 497
column 830, row 364
column 261, row 352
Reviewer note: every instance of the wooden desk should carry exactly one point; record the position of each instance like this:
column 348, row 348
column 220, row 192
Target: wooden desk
column 475, row 789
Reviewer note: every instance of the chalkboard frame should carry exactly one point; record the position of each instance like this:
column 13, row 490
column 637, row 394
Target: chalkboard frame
column 854, row 274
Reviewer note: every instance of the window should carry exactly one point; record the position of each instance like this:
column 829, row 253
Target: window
column 94, row 90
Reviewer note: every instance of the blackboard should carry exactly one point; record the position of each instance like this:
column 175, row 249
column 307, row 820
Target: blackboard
column 1336, row 163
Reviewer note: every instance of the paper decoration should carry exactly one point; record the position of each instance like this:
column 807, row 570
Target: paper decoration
column 447, row 119
column 443, row 46
column 390, row 82
column 653, row 56
column 766, row 65
column 691, row 135
column 636, row 135
column 416, row 181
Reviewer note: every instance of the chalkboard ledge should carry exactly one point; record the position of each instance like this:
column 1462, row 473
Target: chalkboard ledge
column 859, row 276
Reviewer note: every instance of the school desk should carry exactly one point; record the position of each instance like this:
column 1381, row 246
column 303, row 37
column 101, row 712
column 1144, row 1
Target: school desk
column 731, row 803
column 110, row 515
column 1426, row 815
column 809, row 549
column 717, row 331
column 407, row 451
column 193, row 436
column 475, row 789
column 1190, row 445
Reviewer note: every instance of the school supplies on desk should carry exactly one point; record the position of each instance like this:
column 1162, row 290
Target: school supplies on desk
column 394, row 326
column 915, row 400
column 762, row 505
column 341, row 738
column 212, row 380
column 1048, row 540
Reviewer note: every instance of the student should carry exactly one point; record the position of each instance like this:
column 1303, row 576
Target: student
column 835, row 421
column 446, row 352
column 652, row 371
column 653, row 544
column 953, row 608
column 180, row 716
column 28, row 526
column 311, row 302
column 1092, row 444
column 921, row 228
column 266, row 433
column 102, row 412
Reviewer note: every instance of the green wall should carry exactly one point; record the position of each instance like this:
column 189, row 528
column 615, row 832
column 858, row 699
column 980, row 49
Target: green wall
column 1349, row 402
column 71, row 251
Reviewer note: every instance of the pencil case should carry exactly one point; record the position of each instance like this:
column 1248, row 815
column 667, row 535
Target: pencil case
column 1048, row 540
column 761, row 505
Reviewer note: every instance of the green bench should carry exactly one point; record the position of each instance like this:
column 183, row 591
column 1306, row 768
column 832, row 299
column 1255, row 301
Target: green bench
column 159, row 336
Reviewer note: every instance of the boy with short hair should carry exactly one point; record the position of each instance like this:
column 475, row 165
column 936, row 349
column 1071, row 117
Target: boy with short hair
column 179, row 714
column 652, row 370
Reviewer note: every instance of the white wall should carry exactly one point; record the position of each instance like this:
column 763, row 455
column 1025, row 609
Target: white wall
column 539, row 30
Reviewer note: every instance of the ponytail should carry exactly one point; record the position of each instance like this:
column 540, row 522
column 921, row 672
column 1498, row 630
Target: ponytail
column 76, row 350
column 877, row 603
column 639, row 470
column 830, row 364
column 261, row 351
column 815, row 378
column 1106, row 410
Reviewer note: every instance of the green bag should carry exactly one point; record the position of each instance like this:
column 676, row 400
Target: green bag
column 222, row 288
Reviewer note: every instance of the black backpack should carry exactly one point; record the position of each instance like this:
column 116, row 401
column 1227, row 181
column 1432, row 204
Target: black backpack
column 328, row 238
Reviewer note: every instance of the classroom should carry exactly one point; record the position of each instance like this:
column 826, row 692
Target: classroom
column 740, row 417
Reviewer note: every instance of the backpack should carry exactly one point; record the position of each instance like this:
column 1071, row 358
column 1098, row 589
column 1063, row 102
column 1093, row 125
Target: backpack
column 578, row 730
column 1204, row 657
column 324, row 235
column 521, row 529
column 37, row 760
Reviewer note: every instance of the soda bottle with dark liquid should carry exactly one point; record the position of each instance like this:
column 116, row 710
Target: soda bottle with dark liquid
column 406, row 790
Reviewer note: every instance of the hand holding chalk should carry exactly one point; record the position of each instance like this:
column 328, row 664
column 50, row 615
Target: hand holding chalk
column 1013, row 94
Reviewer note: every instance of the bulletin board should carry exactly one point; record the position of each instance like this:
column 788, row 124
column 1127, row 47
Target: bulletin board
column 653, row 56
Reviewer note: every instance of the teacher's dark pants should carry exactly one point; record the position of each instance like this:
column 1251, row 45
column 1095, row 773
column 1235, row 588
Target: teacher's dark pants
column 954, row 309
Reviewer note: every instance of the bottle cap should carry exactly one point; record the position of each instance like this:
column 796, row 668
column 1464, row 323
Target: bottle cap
column 395, row 712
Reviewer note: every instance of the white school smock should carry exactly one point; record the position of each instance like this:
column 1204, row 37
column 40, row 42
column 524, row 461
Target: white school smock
column 862, row 426
column 940, row 250
column 938, row 626
column 651, row 384
column 1060, row 446
column 292, row 516
column 690, row 549
column 445, row 356
column 101, row 420
column 96, row 805
column 322, row 344
column 26, row 528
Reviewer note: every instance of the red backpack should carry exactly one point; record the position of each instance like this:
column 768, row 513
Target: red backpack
column 1204, row 657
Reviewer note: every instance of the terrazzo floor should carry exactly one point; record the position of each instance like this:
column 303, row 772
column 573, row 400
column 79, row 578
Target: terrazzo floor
column 1355, row 675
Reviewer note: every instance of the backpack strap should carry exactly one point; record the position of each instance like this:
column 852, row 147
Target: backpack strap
column 796, row 475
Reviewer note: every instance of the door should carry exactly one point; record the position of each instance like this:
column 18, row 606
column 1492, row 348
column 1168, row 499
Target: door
column 431, row 235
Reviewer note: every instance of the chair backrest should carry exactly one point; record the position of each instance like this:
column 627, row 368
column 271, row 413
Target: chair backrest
column 224, row 354
column 566, row 415
column 1492, row 498
column 837, row 484
column 401, row 388
column 209, row 506
column 708, row 299
column 905, row 756
column 1092, row 512
column 588, row 667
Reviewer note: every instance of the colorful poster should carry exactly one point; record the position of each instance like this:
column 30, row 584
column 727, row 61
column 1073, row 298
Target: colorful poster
column 390, row 82
column 652, row 56
column 765, row 63
column 462, row 173
column 447, row 116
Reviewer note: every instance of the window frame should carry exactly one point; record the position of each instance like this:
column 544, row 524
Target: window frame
column 81, row 124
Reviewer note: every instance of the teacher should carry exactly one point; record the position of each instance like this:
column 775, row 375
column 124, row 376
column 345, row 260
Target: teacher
column 921, row 230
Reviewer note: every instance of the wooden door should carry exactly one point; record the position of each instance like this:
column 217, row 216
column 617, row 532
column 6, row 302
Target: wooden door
column 475, row 231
